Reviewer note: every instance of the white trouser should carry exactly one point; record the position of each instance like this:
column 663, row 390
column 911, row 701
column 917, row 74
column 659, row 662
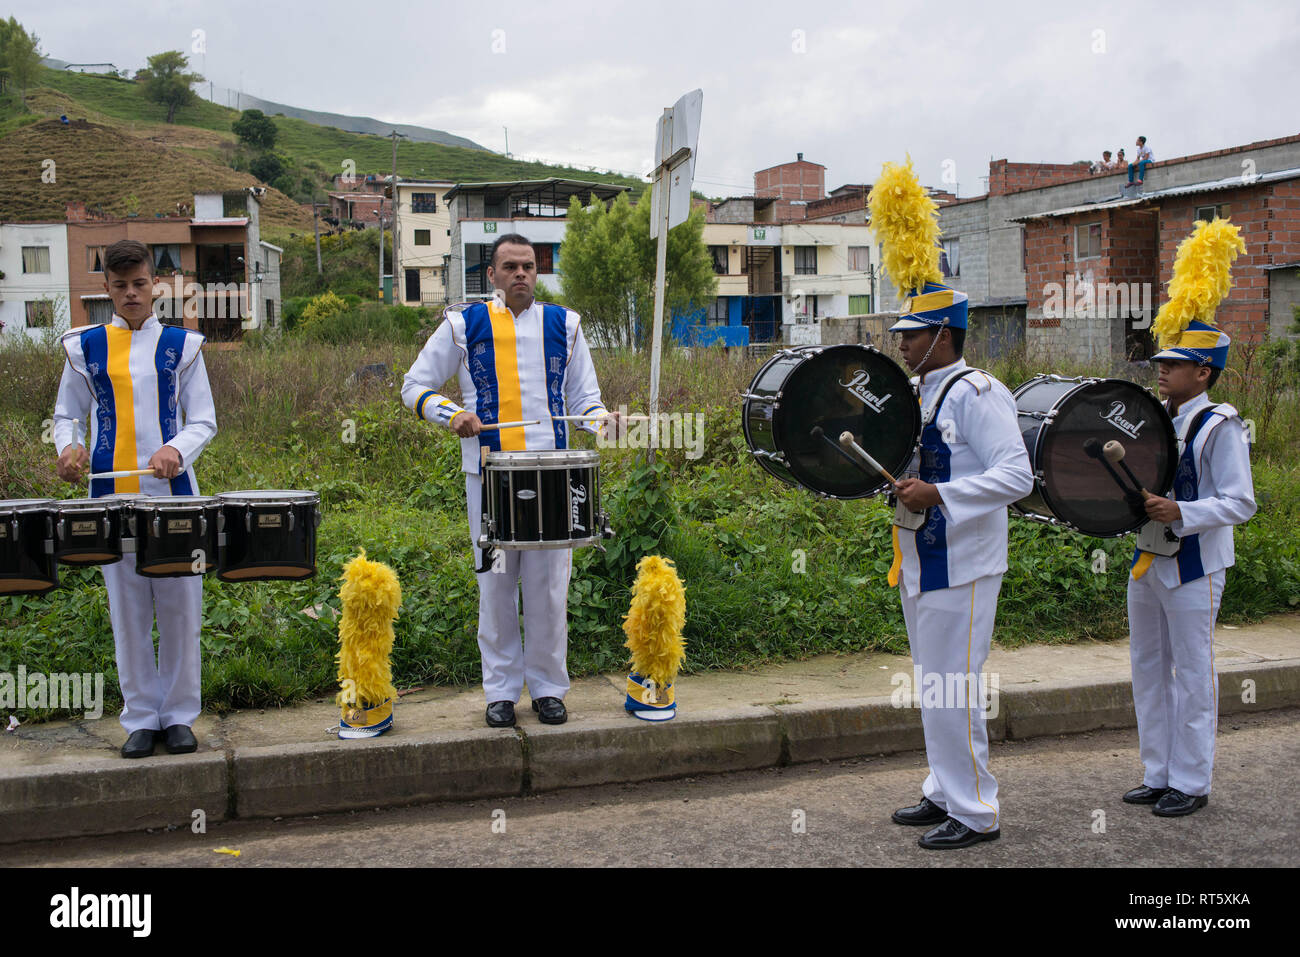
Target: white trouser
column 1175, row 687
column 949, row 630
column 163, row 690
column 509, row 661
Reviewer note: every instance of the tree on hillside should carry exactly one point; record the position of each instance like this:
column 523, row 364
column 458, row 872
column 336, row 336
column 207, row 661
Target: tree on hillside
column 166, row 82
column 607, row 263
column 20, row 55
column 255, row 129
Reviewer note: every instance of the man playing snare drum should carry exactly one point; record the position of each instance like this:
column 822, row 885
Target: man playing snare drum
column 145, row 389
column 515, row 360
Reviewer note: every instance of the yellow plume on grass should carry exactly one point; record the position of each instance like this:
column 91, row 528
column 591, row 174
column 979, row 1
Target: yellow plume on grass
column 906, row 221
column 1202, row 278
column 653, row 624
column 371, row 597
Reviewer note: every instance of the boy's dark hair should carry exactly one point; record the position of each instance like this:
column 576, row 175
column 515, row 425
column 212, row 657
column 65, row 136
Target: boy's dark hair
column 513, row 239
column 125, row 255
column 958, row 338
column 1214, row 377
column 1142, row 140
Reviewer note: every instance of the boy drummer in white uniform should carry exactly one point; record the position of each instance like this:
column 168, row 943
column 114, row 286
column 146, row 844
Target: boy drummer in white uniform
column 145, row 389
column 1173, row 599
column 516, row 360
column 950, row 529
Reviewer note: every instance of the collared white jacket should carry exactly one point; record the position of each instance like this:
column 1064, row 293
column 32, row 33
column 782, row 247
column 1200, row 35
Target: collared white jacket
column 510, row 369
column 1224, row 494
column 142, row 389
column 972, row 450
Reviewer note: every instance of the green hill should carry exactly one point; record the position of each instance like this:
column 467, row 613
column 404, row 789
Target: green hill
column 112, row 101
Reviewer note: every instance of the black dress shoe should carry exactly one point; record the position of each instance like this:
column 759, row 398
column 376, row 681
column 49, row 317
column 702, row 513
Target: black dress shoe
column 140, row 743
column 550, row 710
column 952, row 834
column 927, row 813
column 179, row 739
column 501, row 714
column 1144, row 795
column 1174, row 803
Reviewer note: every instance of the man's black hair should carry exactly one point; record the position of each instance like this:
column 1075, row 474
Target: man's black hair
column 1214, row 377
column 514, row 239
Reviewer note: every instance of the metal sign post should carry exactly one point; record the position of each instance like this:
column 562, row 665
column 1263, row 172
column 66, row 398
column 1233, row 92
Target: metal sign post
column 676, row 138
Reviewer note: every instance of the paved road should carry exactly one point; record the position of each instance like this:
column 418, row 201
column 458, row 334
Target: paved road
column 1052, row 792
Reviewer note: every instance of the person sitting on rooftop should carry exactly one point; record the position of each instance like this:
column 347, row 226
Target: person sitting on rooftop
column 1144, row 159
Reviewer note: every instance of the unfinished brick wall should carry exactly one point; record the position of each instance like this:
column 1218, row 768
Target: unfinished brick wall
column 1006, row 177
column 1269, row 218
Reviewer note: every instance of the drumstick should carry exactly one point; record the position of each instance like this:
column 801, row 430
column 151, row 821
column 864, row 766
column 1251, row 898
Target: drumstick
column 124, row 473
column 1114, row 452
column 819, row 433
column 509, row 425
column 846, row 440
column 592, row 418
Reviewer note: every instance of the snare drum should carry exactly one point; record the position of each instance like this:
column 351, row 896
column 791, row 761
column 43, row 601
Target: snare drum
column 27, row 563
column 270, row 535
column 1057, row 416
column 834, row 388
column 88, row 531
column 175, row 535
column 544, row 499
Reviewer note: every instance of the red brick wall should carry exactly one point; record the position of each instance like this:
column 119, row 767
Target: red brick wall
column 1005, row 177
column 1269, row 217
column 797, row 180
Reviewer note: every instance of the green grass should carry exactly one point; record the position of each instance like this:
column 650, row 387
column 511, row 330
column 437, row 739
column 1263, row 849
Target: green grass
column 285, row 413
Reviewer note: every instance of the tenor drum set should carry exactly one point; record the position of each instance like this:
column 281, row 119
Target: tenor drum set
column 1093, row 444
column 243, row 536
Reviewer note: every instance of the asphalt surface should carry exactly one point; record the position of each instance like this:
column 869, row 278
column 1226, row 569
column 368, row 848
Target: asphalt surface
column 1060, row 807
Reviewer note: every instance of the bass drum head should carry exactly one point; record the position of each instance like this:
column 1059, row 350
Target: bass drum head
column 853, row 388
column 1078, row 488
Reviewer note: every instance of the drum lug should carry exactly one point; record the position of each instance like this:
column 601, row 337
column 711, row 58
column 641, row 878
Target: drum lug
column 318, row 516
column 60, row 529
column 203, row 524
column 157, row 525
column 749, row 396
column 248, row 518
column 291, row 519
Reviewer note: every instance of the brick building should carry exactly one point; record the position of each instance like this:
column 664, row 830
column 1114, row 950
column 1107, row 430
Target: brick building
column 793, row 186
column 1074, row 265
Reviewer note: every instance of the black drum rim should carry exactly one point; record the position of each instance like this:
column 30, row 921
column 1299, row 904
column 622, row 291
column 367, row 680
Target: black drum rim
column 1058, row 408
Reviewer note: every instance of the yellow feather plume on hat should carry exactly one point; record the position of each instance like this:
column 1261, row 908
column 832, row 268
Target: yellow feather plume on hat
column 371, row 597
column 1202, row 278
column 906, row 221
column 653, row 624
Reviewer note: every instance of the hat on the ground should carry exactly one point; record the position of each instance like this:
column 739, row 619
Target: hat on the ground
column 1201, row 280
column 358, row 722
column 371, row 596
column 653, row 625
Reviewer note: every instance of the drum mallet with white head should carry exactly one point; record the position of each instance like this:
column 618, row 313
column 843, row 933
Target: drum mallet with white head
column 1094, row 450
column 1114, row 452
column 846, row 440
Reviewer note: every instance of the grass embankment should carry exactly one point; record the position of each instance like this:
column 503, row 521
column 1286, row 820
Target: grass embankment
column 739, row 538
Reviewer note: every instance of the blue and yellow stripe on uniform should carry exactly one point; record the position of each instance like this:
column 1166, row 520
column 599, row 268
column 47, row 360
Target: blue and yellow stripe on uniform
column 107, row 350
column 555, row 349
column 167, row 357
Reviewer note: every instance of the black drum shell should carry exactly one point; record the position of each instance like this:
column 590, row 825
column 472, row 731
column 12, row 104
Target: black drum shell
column 777, row 420
column 165, row 548
column 27, row 562
column 1064, row 474
column 562, row 512
column 264, row 543
column 86, row 535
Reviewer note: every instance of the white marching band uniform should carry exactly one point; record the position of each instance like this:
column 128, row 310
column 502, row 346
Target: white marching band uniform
column 950, row 572
column 510, row 369
column 142, row 390
column 1173, row 602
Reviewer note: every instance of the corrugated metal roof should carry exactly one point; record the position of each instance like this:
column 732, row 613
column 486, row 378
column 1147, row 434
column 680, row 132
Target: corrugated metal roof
column 1209, row 186
column 1082, row 208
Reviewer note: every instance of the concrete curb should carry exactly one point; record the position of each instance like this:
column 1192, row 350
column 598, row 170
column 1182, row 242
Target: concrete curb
column 110, row 796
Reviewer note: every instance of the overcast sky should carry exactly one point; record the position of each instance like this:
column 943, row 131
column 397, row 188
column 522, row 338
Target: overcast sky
column 847, row 84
